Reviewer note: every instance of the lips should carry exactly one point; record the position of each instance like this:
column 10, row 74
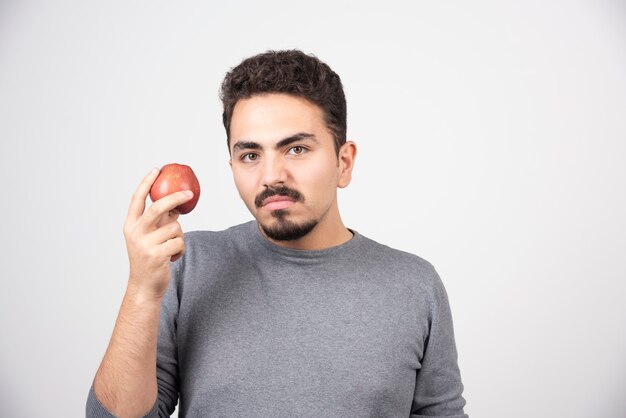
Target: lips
column 277, row 202
column 278, row 198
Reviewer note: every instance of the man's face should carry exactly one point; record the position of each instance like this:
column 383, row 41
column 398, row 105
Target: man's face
column 284, row 163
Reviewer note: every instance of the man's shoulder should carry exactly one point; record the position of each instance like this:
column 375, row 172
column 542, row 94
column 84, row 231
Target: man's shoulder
column 400, row 262
column 234, row 232
column 228, row 239
column 395, row 255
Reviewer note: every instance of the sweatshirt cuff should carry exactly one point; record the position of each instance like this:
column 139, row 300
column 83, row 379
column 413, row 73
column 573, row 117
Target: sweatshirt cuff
column 95, row 409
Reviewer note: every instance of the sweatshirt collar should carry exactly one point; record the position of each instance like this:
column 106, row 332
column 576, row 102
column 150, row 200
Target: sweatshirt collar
column 292, row 252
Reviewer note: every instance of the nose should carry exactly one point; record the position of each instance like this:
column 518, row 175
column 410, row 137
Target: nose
column 274, row 171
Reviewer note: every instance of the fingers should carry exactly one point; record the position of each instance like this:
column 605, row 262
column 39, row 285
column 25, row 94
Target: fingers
column 177, row 256
column 175, row 246
column 167, row 218
column 165, row 233
column 161, row 208
column 168, row 238
column 138, row 201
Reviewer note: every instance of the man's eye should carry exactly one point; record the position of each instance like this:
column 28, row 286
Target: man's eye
column 249, row 157
column 297, row 150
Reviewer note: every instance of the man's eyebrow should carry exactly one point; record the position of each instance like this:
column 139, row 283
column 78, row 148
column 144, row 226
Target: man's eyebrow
column 245, row 145
column 239, row 145
column 295, row 138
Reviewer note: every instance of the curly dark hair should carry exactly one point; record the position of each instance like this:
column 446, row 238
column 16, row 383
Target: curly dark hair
column 291, row 72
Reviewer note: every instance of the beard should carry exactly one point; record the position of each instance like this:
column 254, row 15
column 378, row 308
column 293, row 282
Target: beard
column 285, row 230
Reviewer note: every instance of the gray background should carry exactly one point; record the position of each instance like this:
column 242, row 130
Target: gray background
column 491, row 142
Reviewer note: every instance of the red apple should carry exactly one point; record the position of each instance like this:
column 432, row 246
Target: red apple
column 175, row 178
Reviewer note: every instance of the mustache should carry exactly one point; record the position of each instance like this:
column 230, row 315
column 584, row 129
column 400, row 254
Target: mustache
column 280, row 191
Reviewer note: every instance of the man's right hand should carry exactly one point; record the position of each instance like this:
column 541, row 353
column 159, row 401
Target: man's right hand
column 153, row 239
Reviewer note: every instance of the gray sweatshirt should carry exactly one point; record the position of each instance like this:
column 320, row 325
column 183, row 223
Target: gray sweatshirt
column 248, row 328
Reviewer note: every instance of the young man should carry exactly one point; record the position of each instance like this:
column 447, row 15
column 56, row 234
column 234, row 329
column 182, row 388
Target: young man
column 291, row 314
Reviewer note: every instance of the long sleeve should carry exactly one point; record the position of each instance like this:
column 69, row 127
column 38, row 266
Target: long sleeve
column 167, row 358
column 167, row 347
column 96, row 410
column 438, row 386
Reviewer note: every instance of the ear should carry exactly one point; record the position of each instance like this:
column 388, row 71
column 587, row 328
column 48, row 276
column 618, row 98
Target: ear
column 347, row 155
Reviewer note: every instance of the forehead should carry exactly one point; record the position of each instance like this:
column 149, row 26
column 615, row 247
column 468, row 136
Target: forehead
column 271, row 117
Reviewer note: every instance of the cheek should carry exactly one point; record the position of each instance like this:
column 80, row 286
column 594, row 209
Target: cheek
column 321, row 180
column 245, row 187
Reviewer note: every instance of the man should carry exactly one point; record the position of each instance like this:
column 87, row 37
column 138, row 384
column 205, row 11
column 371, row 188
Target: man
column 291, row 314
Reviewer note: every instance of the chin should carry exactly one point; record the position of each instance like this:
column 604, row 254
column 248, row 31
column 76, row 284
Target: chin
column 282, row 229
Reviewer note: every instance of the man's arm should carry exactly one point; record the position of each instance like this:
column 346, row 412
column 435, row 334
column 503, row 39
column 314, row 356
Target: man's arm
column 125, row 384
column 438, row 385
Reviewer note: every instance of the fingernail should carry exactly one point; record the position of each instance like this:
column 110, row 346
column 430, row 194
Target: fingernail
column 188, row 193
column 154, row 171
